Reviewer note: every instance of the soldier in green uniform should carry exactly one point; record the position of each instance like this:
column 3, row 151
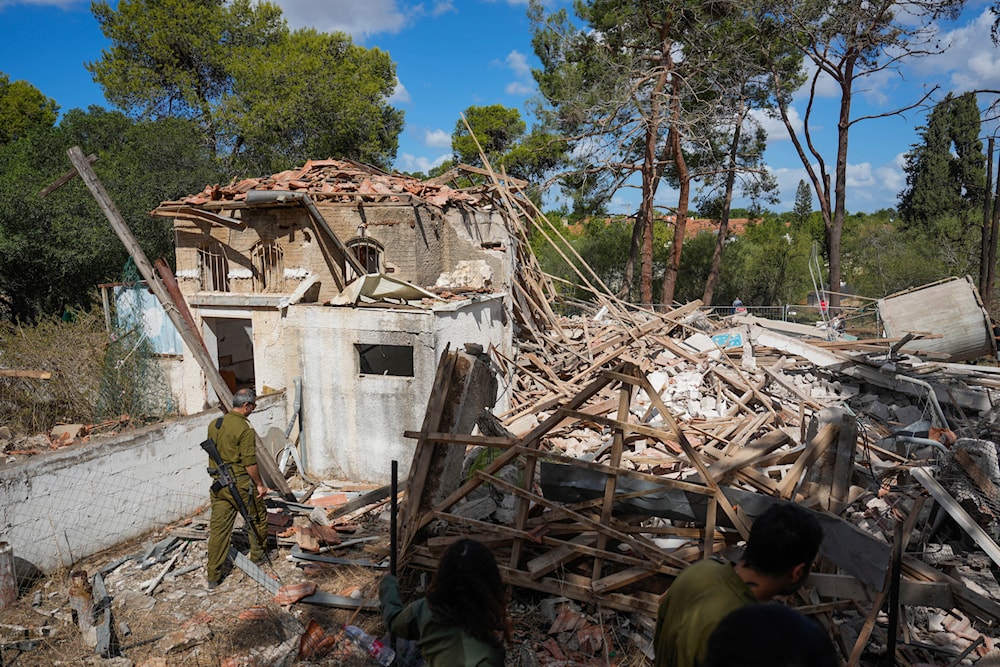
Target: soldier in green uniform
column 779, row 553
column 236, row 441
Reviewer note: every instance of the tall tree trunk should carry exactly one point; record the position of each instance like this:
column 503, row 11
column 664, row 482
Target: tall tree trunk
column 683, row 199
column 720, row 241
column 633, row 254
column 651, row 169
column 984, row 251
column 835, row 230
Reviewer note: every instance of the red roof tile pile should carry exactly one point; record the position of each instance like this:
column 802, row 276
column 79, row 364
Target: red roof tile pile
column 338, row 180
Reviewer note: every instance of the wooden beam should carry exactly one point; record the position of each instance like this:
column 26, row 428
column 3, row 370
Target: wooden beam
column 16, row 373
column 192, row 339
column 958, row 513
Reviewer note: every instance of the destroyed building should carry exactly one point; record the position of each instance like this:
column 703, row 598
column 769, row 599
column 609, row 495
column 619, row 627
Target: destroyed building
column 269, row 268
column 631, row 444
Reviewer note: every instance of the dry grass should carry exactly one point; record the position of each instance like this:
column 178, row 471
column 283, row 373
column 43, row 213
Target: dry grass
column 73, row 352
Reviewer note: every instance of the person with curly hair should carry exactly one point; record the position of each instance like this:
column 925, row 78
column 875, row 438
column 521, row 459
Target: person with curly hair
column 462, row 620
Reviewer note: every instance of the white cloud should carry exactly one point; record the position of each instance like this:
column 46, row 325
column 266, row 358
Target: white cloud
column 411, row 163
column 437, row 139
column 774, row 126
column 358, row 19
column 518, row 63
column 443, row 7
column 518, row 88
column 859, row 175
column 523, row 84
column 400, row 95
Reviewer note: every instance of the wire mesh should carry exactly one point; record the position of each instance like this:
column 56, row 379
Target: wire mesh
column 133, row 385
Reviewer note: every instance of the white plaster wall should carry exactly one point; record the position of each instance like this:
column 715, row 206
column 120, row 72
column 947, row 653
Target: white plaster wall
column 354, row 423
column 482, row 320
column 56, row 508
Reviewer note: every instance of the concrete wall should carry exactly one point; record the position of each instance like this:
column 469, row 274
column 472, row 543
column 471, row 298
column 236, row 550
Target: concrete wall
column 354, row 422
column 56, row 508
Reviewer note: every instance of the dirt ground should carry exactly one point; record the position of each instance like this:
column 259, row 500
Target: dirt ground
column 239, row 623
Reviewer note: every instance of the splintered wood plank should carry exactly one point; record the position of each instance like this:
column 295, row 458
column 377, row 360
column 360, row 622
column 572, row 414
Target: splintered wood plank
column 958, row 513
column 636, row 542
column 533, row 439
column 620, row 579
column 496, row 531
column 568, row 587
column 709, row 542
column 643, row 382
column 560, row 556
column 748, row 455
column 16, row 373
column 610, row 484
column 424, row 450
column 814, row 449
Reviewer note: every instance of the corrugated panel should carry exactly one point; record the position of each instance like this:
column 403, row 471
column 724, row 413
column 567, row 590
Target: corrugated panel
column 951, row 309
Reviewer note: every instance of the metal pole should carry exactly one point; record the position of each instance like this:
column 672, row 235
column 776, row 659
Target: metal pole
column 392, row 517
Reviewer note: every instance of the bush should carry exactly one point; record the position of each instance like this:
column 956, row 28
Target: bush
column 73, row 351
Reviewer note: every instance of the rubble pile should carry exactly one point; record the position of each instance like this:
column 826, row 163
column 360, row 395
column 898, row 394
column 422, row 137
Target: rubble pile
column 638, row 442
column 346, row 181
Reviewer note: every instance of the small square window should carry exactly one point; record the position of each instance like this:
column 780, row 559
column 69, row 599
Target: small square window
column 385, row 359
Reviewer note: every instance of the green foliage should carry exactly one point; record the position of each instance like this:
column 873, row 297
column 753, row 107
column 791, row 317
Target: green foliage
column 803, row 204
column 23, row 109
column 497, row 129
column 946, row 184
column 311, row 95
column 72, row 351
column 172, row 57
column 500, row 132
column 772, row 265
column 880, row 259
column 266, row 98
column 58, row 248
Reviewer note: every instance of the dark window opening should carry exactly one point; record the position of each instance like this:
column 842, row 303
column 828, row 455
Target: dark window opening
column 214, row 267
column 385, row 359
column 268, row 267
column 368, row 253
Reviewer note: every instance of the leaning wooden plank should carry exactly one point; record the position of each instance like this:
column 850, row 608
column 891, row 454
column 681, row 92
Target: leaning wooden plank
column 610, row 484
column 532, row 438
column 620, row 579
column 748, row 455
column 566, row 587
column 968, row 601
column 558, row 557
column 486, row 528
column 373, row 497
column 636, row 542
column 826, row 436
column 636, row 377
column 950, row 505
column 424, row 450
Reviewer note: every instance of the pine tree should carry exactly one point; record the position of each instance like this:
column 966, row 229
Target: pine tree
column 945, row 175
column 803, row 203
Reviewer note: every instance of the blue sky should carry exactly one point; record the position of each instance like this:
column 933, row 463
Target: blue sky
column 452, row 54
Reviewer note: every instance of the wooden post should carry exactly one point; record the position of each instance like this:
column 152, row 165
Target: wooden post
column 192, row 339
column 8, row 579
column 146, row 269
